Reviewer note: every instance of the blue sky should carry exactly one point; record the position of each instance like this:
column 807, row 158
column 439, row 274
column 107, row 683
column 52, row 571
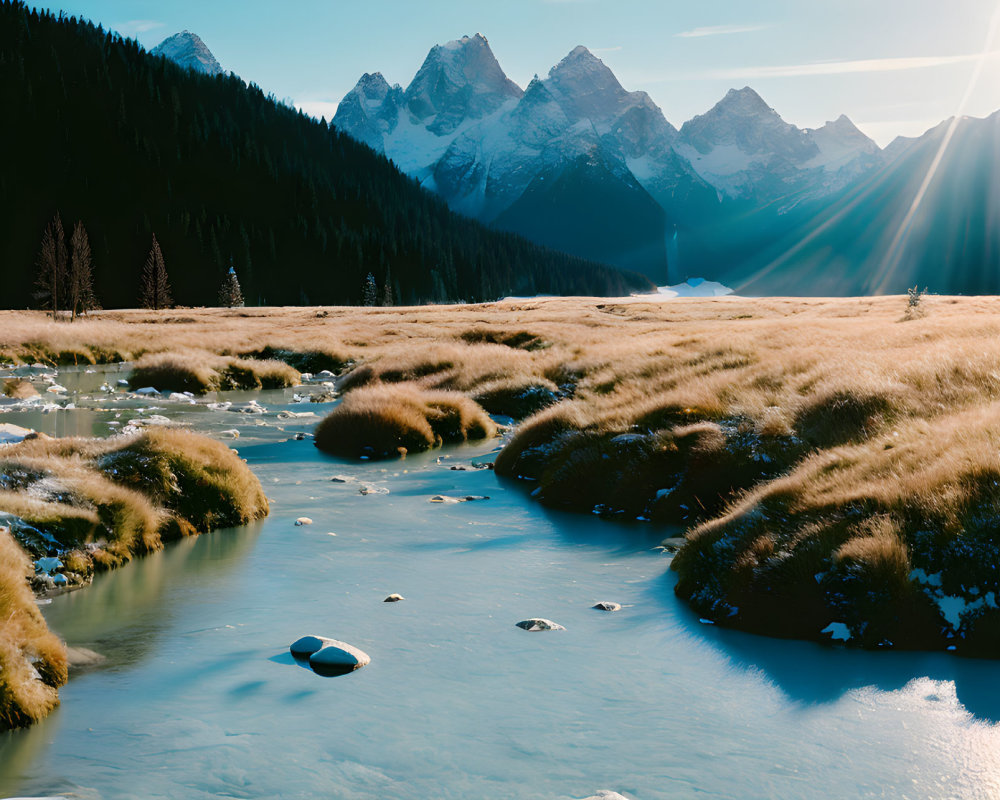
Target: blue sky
column 893, row 66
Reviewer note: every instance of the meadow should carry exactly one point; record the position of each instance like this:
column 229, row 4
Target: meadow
column 835, row 463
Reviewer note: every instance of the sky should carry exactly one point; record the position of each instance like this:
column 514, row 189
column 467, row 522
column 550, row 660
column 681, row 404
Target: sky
column 895, row 67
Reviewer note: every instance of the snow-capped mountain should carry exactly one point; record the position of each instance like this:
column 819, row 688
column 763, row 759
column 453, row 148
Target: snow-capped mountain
column 188, row 50
column 504, row 155
column 745, row 149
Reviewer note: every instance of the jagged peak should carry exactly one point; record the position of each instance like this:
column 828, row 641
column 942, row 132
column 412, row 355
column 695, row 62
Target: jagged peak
column 745, row 100
column 578, row 57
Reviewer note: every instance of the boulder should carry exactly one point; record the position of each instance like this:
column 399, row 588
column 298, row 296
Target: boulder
column 307, row 645
column 393, row 598
column 539, row 624
column 607, row 605
column 338, row 658
column 303, row 521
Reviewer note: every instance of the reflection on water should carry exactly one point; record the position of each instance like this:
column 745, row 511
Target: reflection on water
column 200, row 698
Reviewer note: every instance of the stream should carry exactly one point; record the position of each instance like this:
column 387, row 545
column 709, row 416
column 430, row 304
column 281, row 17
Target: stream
column 197, row 695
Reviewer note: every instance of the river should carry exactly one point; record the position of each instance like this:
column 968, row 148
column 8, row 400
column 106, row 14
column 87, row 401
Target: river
column 197, row 696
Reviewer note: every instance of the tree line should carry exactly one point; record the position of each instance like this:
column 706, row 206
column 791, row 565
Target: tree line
column 226, row 176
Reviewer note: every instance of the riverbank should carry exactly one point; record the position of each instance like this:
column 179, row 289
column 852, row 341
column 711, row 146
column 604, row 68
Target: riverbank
column 830, row 458
column 75, row 506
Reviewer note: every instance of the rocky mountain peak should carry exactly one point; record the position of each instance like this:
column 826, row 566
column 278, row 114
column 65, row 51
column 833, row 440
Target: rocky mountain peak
column 459, row 80
column 189, row 51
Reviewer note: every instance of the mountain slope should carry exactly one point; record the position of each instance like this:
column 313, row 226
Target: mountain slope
column 131, row 145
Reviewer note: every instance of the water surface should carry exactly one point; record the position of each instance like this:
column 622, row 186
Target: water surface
column 198, row 698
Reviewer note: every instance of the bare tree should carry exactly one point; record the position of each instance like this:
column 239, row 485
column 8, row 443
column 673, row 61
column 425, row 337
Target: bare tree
column 80, row 281
column 51, row 280
column 155, row 289
column 230, row 294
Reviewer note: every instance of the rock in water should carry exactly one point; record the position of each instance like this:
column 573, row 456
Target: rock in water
column 307, row 645
column 539, row 624
column 606, row 605
column 393, row 598
column 303, row 521
column 338, row 658
column 604, row 794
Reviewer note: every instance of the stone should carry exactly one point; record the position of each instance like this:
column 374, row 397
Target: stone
column 303, row 521
column 338, row 658
column 393, row 598
column 443, row 498
column 307, row 645
column 604, row 794
column 539, row 624
column 606, row 605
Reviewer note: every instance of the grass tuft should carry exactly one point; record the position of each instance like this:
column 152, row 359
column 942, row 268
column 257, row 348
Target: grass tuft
column 381, row 421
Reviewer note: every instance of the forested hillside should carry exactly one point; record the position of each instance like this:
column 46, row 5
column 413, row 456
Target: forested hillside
column 131, row 144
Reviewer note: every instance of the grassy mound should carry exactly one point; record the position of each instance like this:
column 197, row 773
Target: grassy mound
column 313, row 360
column 32, row 659
column 894, row 538
column 517, row 397
column 382, row 421
column 672, row 473
column 199, row 372
column 103, row 500
column 94, row 504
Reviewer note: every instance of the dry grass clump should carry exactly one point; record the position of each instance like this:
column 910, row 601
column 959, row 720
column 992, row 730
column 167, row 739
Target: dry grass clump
column 32, row 659
column 520, row 340
column 838, row 540
column 383, row 421
column 201, row 372
column 312, row 360
column 516, row 397
column 105, row 500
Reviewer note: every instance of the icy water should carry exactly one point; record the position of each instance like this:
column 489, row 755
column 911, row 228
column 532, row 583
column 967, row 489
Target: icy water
column 198, row 698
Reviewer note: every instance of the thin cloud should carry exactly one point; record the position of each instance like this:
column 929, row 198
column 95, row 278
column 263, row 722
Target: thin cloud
column 846, row 67
column 720, row 30
column 139, row 26
column 596, row 50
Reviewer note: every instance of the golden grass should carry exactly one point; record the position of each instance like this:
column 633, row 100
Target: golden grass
column 104, row 500
column 795, row 437
column 199, row 372
column 101, row 501
column 32, row 659
column 383, row 421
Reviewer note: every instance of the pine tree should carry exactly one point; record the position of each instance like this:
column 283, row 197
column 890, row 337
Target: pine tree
column 51, row 281
column 155, row 290
column 80, row 282
column 387, row 289
column 230, row 294
column 370, row 295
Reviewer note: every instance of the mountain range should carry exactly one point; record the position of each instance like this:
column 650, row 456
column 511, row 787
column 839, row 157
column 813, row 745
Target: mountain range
column 577, row 162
